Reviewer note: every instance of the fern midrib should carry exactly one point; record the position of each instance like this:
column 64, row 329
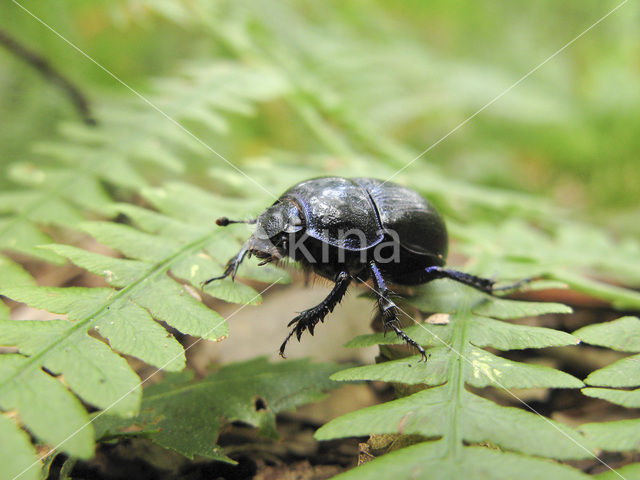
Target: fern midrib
column 85, row 324
column 456, row 382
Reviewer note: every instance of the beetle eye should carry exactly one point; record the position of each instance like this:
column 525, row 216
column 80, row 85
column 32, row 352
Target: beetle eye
column 294, row 222
column 288, row 228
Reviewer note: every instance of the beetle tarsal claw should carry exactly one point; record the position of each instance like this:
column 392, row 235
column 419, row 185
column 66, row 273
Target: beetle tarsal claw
column 266, row 260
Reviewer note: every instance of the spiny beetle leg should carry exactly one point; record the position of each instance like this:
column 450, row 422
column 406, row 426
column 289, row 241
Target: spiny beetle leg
column 485, row 285
column 390, row 317
column 389, row 310
column 308, row 319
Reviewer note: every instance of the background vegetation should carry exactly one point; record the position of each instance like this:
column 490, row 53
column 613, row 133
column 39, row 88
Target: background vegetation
column 542, row 182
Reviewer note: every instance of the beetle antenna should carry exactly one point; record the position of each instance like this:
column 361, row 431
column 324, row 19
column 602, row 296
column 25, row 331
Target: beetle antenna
column 224, row 221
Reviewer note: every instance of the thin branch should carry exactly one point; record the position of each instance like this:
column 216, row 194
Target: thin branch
column 50, row 74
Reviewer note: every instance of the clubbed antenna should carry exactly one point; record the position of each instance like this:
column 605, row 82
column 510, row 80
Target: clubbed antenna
column 224, row 221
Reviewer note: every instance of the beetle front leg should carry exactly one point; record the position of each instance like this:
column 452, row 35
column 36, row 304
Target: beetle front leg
column 235, row 261
column 389, row 310
column 231, row 267
column 308, row 319
column 483, row 284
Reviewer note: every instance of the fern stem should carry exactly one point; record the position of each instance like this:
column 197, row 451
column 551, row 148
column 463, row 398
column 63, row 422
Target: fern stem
column 620, row 298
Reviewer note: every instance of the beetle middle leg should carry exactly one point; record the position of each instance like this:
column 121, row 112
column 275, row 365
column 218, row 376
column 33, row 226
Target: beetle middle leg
column 389, row 310
column 308, row 319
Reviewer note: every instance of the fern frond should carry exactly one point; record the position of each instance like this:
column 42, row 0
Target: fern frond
column 143, row 290
column 453, row 414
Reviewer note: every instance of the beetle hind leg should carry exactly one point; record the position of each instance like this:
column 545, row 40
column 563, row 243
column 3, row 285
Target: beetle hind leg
column 308, row 319
column 485, row 285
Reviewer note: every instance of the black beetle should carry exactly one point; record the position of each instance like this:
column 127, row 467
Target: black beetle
column 354, row 229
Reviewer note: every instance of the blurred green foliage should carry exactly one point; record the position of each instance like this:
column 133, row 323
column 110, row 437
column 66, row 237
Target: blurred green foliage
column 568, row 131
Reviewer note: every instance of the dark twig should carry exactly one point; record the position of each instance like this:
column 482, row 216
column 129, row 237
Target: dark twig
column 50, row 74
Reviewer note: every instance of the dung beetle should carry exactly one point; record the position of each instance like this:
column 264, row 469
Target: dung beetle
column 347, row 229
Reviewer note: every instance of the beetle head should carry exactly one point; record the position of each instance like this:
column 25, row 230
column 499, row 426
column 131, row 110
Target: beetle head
column 275, row 226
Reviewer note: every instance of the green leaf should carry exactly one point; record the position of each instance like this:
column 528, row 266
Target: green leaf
column 622, row 334
column 511, row 309
column 477, row 419
column 491, row 370
column 618, row 436
column 131, row 330
column 170, row 303
column 198, row 268
column 483, row 332
column 131, row 242
column 12, row 274
column 626, row 398
column 77, row 302
column 128, row 327
column 623, row 373
column 124, row 317
column 153, row 222
column 484, row 369
column 429, row 461
column 90, row 368
column 234, row 292
column 628, row 471
column 50, row 411
column 425, row 334
column 486, row 332
column 409, row 370
column 187, row 415
column 620, row 298
column 117, row 272
column 21, row 236
column 17, row 455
